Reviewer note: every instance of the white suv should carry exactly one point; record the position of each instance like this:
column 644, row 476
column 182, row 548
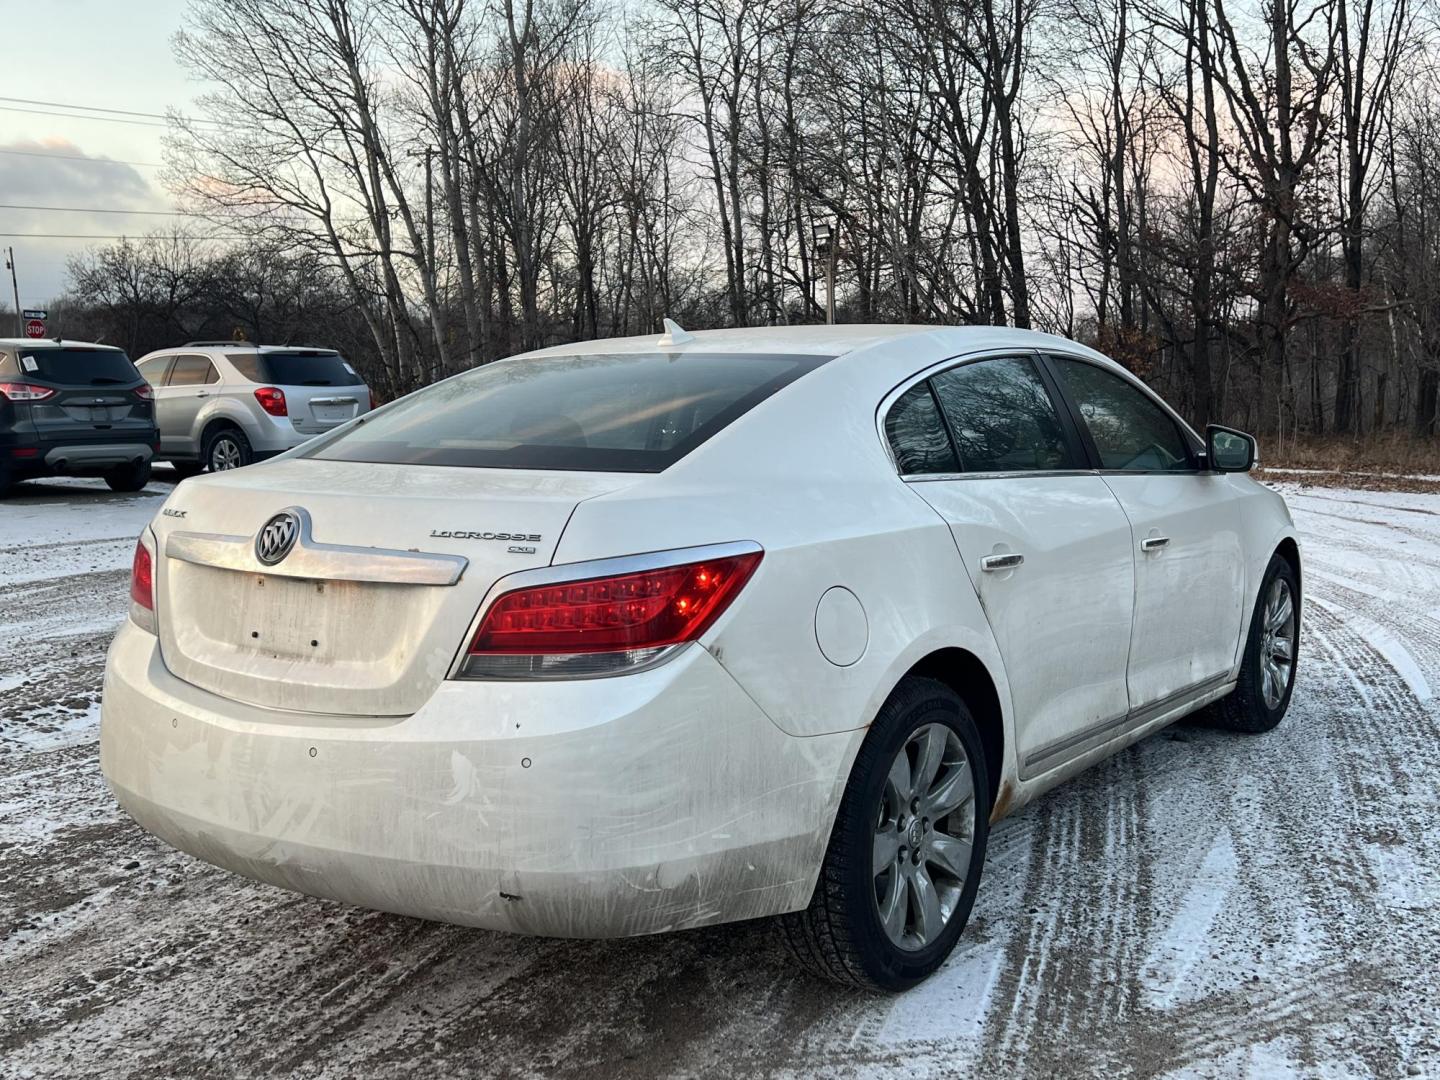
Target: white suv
column 223, row 404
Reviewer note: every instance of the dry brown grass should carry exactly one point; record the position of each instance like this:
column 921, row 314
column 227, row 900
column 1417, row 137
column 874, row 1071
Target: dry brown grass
column 1379, row 463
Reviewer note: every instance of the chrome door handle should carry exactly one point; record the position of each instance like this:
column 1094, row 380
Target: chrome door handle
column 202, row 393
column 1154, row 543
column 992, row 563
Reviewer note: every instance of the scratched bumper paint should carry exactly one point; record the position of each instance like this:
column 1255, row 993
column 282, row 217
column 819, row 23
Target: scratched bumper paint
column 600, row 808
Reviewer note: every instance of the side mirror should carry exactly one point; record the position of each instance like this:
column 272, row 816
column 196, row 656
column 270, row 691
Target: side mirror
column 1228, row 450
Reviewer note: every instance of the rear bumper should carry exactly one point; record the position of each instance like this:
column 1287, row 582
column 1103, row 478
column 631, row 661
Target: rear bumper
column 24, row 455
column 277, row 434
column 78, row 457
column 603, row 808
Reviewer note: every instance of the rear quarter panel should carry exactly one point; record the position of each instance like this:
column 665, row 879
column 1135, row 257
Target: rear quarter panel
column 805, row 476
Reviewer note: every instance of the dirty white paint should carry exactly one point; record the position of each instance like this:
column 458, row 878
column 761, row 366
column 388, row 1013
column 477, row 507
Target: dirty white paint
column 1317, row 962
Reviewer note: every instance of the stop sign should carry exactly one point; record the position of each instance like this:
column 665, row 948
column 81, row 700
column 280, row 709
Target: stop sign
column 35, row 328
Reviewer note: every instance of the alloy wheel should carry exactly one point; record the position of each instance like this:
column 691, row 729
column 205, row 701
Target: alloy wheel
column 224, row 455
column 1277, row 643
column 924, row 833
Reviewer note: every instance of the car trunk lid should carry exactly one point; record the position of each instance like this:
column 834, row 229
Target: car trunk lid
column 366, row 611
column 316, row 409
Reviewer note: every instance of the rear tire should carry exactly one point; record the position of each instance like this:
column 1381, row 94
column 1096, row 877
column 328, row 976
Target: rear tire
column 7, row 481
column 1272, row 651
column 903, row 864
column 226, row 449
column 129, row 477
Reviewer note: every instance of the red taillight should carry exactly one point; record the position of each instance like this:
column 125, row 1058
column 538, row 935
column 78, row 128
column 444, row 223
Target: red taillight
column 142, row 577
column 20, row 391
column 144, row 393
column 622, row 613
column 26, row 451
column 272, row 400
column 372, row 400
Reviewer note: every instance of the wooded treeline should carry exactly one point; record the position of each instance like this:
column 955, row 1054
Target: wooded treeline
column 1236, row 198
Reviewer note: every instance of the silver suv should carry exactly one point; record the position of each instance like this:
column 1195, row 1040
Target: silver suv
column 223, row 404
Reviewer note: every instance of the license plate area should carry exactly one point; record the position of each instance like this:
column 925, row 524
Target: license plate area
column 294, row 617
column 302, row 644
column 331, row 413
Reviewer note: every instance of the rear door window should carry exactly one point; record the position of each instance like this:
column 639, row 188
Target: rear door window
column 193, row 371
column 597, row 413
column 1002, row 418
column 301, row 367
column 72, row 366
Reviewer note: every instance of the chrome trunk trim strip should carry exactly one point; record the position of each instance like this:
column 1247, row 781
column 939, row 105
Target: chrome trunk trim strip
column 316, row 561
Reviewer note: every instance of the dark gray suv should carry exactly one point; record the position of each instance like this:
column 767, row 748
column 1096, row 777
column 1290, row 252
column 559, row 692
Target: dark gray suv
column 70, row 408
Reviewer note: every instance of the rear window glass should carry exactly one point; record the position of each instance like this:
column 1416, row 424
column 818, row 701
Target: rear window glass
column 597, row 413
column 78, row 367
column 304, row 367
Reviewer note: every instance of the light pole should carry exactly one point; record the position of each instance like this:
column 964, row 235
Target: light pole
column 15, row 287
column 825, row 245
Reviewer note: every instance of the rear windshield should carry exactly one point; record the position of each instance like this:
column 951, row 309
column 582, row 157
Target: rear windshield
column 303, row 367
column 78, row 367
column 598, row 413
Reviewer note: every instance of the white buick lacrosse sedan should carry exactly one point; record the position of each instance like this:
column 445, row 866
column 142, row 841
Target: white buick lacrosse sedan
column 637, row 635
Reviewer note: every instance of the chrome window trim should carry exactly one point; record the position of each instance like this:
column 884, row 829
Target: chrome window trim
column 1028, row 352
column 1038, row 355
column 1001, row 474
column 315, row 561
column 559, row 573
column 887, row 402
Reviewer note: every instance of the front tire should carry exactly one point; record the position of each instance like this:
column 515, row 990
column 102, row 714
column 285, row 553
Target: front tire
column 905, row 855
column 129, row 477
column 226, row 449
column 1267, row 672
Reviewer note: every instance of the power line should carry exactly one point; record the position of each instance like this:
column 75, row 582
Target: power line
column 82, row 157
column 88, row 108
column 100, row 210
column 118, row 236
column 101, row 109
column 81, row 116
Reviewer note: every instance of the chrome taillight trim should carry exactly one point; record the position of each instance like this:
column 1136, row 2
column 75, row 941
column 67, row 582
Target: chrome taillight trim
column 582, row 571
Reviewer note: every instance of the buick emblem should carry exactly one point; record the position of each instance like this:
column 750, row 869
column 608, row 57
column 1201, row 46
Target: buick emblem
column 277, row 537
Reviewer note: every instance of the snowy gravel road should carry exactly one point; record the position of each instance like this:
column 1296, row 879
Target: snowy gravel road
column 1202, row 905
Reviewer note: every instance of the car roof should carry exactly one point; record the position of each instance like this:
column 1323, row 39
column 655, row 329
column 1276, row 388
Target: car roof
column 53, row 343
column 242, row 346
column 820, row 340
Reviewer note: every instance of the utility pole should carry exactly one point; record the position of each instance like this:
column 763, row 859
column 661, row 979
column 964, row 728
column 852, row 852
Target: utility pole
column 430, row 207
column 15, row 287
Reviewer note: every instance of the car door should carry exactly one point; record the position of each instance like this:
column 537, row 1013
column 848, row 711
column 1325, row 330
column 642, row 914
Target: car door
column 1184, row 521
column 192, row 380
column 1042, row 540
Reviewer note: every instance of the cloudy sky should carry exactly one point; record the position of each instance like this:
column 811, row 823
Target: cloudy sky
column 97, row 54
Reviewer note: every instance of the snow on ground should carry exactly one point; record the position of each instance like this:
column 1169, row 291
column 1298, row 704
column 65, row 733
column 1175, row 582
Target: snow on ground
column 1200, row 906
